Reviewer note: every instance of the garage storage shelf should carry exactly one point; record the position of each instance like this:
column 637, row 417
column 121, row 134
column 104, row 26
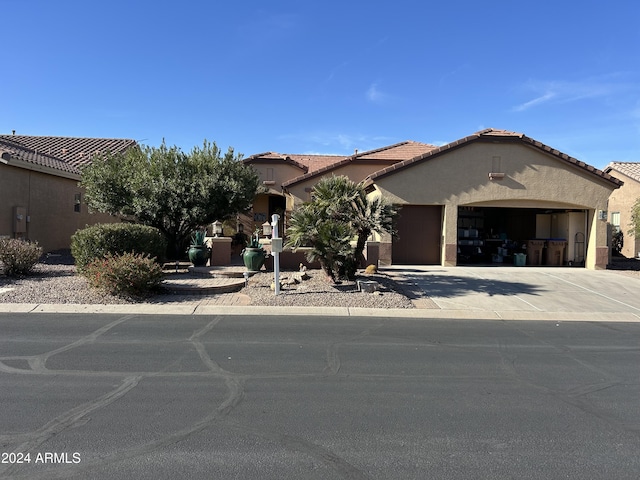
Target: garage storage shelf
column 477, row 245
column 471, row 238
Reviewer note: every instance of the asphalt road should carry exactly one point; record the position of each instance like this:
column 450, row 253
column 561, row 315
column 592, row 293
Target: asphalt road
column 247, row 397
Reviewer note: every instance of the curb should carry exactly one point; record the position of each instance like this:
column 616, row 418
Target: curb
column 197, row 308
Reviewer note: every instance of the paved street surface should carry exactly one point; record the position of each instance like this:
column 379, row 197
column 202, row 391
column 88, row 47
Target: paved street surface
column 310, row 397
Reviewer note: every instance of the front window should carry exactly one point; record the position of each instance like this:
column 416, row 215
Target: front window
column 615, row 221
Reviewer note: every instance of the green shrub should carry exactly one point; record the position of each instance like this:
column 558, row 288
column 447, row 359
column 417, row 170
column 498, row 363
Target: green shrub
column 116, row 238
column 617, row 242
column 19, row 256
column 124, row 274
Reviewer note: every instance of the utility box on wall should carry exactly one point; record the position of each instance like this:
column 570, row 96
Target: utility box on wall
column 19, row 221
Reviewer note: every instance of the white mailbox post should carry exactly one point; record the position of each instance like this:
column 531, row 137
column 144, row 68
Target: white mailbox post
column 276, row 248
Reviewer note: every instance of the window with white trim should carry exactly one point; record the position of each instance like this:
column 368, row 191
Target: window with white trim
column 615, row 221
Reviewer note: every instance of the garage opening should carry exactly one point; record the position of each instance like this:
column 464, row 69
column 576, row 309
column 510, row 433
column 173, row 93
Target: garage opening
column 521, row 236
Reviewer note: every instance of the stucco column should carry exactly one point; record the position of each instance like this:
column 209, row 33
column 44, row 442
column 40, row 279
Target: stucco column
column 450, row 235
column 371, row 253
column 598, row 249
column 220, row 251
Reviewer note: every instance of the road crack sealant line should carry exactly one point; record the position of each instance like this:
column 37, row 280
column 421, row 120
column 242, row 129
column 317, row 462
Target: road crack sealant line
column 77, row 416
column 72, row 418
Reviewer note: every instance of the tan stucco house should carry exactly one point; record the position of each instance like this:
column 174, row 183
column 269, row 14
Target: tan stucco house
column 621, row 202
column 40, row 199
column 494, row 196
column 287, row 179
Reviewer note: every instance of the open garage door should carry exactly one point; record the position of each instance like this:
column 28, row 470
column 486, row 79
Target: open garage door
column 419, row 231
column 494, row 235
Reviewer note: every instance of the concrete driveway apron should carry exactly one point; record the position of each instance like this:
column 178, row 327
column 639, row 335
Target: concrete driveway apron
column 523, row 289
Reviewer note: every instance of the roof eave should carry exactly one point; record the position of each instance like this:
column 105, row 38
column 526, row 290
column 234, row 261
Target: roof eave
column 15, row 162
column 483, row 137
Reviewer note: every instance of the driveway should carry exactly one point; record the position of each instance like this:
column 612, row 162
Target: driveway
column 522, row 292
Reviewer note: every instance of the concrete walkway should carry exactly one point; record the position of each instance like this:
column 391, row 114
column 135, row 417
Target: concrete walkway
column 501, row 293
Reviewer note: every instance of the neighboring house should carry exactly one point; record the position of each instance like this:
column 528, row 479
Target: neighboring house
column 479, row 199
column 40, row 199
column 621, row 202
column 288, row 179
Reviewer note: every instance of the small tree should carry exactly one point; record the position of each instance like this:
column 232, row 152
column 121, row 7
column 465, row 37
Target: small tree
column 339, row 205
column 634, row 224
column 168, row 189
column 328, row 238
column 617, row 242
column 347, row 201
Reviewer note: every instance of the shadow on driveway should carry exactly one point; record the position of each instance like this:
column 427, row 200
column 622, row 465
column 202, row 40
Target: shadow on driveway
column 433, row 284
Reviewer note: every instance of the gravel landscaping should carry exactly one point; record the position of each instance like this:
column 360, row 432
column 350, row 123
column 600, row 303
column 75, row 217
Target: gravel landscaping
column 54, row 280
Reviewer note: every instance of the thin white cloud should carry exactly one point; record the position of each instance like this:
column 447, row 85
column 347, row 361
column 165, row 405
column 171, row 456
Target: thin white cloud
column 374, row 94
column 536, row 101
column 563, row 91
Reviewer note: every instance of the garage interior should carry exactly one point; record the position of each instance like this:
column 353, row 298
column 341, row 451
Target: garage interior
column 521, row 236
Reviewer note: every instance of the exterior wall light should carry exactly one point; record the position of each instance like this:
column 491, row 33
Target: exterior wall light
column 267, row 229
column 217, row 228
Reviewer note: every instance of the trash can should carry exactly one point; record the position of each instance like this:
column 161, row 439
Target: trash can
column 555, row 252
column 534, row 252
column 519, row 259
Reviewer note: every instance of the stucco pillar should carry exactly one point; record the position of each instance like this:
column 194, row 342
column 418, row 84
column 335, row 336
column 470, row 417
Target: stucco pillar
column 450, row 236
column 598, row 249
column 220, row 251
column 372, row 253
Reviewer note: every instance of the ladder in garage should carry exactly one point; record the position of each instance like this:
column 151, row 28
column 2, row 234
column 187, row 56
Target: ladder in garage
column 578, row 249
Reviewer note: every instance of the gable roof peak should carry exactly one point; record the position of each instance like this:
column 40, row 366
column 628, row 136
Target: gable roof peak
column 496, row 132
column 491, row 132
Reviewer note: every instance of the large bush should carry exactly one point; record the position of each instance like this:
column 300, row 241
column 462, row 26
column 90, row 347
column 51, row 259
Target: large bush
column 18, row 256
column 171, row 190
column 97, row 241
column 124, row 274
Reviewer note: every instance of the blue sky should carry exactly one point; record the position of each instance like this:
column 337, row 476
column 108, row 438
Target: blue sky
column 325, row 77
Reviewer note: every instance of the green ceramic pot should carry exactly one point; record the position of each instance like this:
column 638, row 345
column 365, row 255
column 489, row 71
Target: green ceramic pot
column 253, row 258
column 199, row 255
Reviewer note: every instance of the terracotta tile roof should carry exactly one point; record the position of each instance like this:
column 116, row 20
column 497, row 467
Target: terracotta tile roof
column 306, row 163
column 493, row 135
column 630, row 169
column 385, row 155
column 397, row 152
column 11, row 150
column 66, row 154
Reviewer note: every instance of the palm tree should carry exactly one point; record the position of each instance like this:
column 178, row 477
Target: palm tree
column 329, row 239
column 339, row 200
column 370, row 216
